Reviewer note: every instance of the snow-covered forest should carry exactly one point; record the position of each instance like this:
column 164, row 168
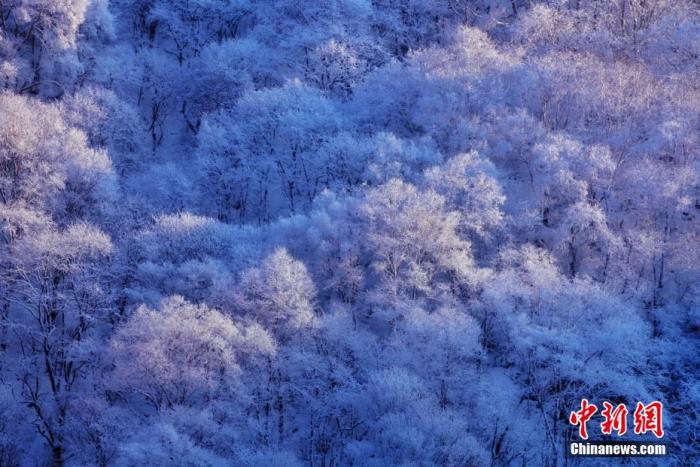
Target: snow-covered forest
column 345, row 232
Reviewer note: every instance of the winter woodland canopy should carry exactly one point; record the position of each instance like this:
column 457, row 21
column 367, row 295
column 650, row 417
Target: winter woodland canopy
column 344, row 232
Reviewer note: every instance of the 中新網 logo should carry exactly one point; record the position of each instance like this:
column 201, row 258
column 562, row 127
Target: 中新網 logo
column 647, row 418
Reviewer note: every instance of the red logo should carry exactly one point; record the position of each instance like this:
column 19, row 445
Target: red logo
column 581, row 417
column 615, row 420
column 647, row 418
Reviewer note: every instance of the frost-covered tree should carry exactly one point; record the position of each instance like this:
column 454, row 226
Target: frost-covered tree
column 47, row 165
column 182, row 354
column 415, row 247
column 56, row 306
column 279, row 294
column 40, row 42
column 261, row 159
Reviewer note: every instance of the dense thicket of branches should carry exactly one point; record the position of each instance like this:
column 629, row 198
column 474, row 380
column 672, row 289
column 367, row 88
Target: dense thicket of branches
column 344, row 232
